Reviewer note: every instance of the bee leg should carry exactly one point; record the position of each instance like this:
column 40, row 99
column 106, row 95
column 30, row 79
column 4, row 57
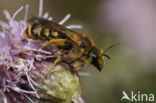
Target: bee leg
column 78, row 64
column 44, row 45
column 58, row 42
column 59, row 58
column 54, row 42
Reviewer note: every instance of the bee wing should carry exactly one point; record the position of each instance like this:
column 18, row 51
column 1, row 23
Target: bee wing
column 54, row 26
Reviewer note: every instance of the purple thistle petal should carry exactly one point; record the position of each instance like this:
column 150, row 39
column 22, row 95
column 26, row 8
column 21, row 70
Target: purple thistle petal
column 40, row 8
column 7, row 14
column 50, row 18
column 26, row 12
column 16, row 14
column 45, row 15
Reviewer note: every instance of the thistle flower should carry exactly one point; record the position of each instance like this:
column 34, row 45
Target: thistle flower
column 23, row 67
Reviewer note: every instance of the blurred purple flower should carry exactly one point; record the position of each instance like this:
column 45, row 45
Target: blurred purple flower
column 23, row 67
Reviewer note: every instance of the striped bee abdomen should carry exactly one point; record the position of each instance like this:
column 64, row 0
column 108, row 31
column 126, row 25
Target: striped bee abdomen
column 32, row 32
column 38, row 32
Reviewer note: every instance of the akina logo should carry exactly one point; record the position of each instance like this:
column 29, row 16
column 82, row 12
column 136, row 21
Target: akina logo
column 137, row 96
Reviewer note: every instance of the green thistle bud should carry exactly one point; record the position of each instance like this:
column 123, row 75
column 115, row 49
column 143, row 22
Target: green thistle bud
column 62, row 85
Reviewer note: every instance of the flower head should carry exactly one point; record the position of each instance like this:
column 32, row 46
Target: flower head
column 23, row 67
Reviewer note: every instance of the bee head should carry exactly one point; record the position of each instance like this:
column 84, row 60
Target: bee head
column 96, row 58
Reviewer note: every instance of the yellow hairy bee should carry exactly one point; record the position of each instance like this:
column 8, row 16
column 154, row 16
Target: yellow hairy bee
column 78, row 46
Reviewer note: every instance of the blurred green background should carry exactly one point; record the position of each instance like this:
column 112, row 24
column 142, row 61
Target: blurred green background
column 132, row 65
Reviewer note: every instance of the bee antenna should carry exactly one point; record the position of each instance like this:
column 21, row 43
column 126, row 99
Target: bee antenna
column 107, row 56
column 111, row 47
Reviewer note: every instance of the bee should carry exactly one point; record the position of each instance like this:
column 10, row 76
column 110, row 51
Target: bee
column 78, row 46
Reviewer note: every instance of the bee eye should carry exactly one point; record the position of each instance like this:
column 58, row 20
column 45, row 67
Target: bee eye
column 93, row 54
column 94, row 59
